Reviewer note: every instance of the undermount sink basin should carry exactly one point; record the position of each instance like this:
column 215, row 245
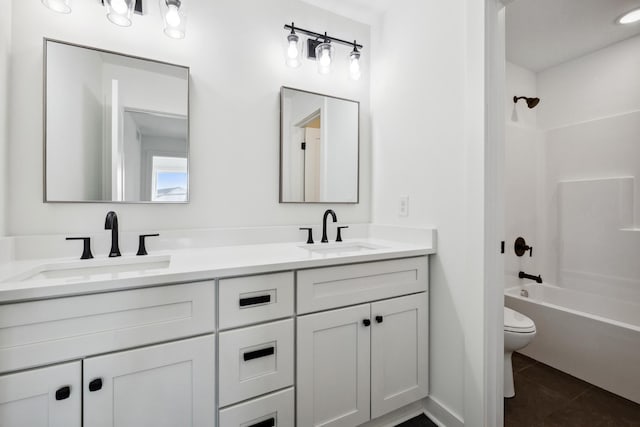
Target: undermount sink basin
column 341, row 248
column 90, row 269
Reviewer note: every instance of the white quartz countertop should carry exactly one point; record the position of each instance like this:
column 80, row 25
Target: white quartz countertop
column 188, row 265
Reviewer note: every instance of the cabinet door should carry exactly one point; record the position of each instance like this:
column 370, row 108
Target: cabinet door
column 333, row 368
column 165, row 385
column 46, row 397
column 399, row 352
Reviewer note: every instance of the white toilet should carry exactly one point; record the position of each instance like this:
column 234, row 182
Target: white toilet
column 519, row 330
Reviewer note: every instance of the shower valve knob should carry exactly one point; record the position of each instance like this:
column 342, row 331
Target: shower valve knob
column 521, row 247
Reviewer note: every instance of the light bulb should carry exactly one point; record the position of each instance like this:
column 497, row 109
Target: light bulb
column 292, row 51
column 119, row 6
column 325, row 58
column 631, row 17
column 354, row 65
column 173, row 16
column 60, row 6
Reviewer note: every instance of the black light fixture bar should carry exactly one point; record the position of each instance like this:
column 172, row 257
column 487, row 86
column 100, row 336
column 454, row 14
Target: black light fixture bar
column 324, row 36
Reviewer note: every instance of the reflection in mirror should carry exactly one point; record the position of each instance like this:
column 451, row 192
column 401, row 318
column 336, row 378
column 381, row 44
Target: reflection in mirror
column 319, row 156
column 116, row 127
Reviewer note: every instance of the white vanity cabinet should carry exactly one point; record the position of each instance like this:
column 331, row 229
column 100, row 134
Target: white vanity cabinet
column 143, row 357
column 44, row 397
column 363, row 361
column 336, row 345
column 166, row 385
column 256, row 350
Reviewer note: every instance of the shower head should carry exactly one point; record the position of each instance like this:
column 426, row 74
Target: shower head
column 531, row 102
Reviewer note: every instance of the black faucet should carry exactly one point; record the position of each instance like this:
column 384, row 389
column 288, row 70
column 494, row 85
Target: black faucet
column 324, row 224
column 524, row 275
column 111, row 223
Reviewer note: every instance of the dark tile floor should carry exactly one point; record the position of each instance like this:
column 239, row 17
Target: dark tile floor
column 419, row 421
column 546, row 397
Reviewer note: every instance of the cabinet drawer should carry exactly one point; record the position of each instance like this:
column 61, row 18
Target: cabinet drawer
column 247, row 300
column 273, row 410
column 48, row 331
column 255, row 360
column 330, row 287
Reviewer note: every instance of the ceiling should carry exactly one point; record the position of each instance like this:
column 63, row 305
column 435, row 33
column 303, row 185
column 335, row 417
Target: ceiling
column 366, row 11
column 157, row 124
column 545, row 33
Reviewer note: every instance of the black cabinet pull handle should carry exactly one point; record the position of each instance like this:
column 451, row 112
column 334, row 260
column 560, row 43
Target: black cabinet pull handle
column 63, row 393
column 262, row 299
column 271, row 422
column 95, row 385
column 366, row 322
column 379, row 319
column 258, row 353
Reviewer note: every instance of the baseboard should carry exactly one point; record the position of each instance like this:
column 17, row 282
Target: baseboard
column 398, row 416
column 440, row 414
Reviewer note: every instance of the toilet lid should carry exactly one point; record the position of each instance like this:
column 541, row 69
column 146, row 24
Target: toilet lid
column 517, row 322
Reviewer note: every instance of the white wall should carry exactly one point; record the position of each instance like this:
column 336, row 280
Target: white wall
column 157, row 90
column 588, row 122
column 132, row 151
column 74, row 124
column 602, row 84
column 590, row 111
column 428, row 111
column 523, row 154
column 5, row 58
column 340, row 153
column 235, row 49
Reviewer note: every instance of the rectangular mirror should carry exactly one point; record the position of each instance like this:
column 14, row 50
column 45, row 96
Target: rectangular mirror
column 319, row 148
column 116, row 127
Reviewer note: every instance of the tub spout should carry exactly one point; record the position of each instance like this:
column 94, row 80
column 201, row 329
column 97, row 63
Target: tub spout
column 524, row 275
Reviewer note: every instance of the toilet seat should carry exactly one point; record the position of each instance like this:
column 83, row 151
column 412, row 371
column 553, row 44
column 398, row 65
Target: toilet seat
column 517, row 322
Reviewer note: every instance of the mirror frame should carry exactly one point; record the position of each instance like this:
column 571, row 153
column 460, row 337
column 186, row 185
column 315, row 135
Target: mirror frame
column 357, row 201
column 44, row 126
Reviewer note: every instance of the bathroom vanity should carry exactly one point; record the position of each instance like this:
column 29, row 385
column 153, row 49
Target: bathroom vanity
column 336, row 335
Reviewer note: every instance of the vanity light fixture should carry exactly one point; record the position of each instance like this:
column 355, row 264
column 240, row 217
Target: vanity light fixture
column 294, row 52
column 354, row 63
column 60, row 6
column 324, row 56
column 174, row 17
column 120, row 11
column 630, row 17
column 320, row 47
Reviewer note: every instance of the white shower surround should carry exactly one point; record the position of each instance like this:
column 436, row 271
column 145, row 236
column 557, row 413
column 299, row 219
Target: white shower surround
column 591, row 337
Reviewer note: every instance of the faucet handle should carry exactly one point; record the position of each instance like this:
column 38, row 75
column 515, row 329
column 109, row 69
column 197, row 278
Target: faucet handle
column 310, row 235
column 86, row 251
column 142, row 249
column 339, row 236
column 520, row 247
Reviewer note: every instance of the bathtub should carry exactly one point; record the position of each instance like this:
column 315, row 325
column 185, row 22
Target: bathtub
column 586, row 335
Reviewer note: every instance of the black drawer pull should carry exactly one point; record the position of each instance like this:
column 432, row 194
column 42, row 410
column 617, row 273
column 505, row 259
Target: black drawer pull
column 379, row 319
column 95, row 385
column 366, row 322
column 263, row 352
column 271, row 422
column 63, row 393
column 255, row 300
